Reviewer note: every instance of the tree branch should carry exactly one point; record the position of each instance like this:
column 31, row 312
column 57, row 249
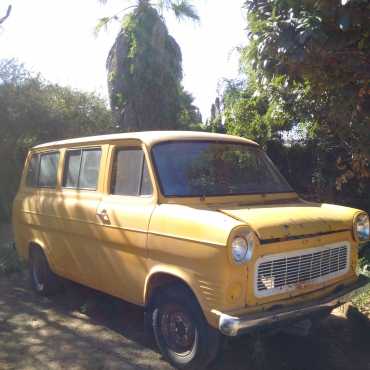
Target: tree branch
column 2, row 20
column 103, row 22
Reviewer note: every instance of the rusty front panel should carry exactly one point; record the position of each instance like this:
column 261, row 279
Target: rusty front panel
column 254, row 303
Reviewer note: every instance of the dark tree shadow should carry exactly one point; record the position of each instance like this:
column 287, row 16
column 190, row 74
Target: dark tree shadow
column 87, row 329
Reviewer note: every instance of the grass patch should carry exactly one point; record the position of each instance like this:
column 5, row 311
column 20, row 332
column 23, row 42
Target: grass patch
column 365, row 259
column 9, row 261
column 362, row 302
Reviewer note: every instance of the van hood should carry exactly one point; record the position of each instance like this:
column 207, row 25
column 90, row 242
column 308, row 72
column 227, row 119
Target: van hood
column 276, row 221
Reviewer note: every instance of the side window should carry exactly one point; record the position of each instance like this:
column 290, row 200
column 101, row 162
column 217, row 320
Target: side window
column 48, row 170
column 72, row 168
column 32, row 171
column 81, row 170
column 130, row 173
column 89, row 172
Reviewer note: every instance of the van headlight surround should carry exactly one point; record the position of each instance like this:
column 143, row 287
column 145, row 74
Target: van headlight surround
column 361, row 227
column 242, row 247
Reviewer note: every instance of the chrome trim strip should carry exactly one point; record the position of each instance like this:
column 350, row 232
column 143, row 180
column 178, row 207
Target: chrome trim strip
column 233, row 326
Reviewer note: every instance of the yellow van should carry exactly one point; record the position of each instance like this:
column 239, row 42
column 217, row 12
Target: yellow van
column 199, row 228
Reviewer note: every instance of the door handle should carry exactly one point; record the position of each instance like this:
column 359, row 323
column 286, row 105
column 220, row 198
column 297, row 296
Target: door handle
column 104, row 217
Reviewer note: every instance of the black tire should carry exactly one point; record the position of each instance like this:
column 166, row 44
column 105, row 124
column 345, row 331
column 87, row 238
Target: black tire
column 43, row 280
column 181, row 331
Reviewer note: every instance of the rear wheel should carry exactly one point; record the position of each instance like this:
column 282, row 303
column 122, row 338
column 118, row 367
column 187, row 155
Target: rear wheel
column 43, row 280
column 181, row 331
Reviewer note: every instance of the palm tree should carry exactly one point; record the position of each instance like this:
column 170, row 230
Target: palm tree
column 182, row 9
column 145, row 67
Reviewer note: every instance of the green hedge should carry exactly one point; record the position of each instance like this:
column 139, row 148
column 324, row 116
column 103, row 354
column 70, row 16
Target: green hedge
column 9, row 261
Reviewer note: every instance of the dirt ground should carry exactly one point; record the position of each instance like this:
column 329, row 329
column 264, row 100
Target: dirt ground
column 5, row 233
column 80, row 329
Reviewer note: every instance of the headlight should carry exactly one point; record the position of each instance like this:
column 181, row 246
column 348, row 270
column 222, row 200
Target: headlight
column 362, row 227
column 242, row 248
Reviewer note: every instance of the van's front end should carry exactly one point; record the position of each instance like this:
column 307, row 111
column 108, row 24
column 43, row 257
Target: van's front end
column 299, row 260
column 233, row 249
column 285, row 258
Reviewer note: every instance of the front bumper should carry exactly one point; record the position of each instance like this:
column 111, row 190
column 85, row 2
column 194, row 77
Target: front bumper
column 233, row 326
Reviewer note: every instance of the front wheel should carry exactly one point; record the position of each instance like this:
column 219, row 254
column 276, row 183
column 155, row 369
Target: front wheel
column 181, row 331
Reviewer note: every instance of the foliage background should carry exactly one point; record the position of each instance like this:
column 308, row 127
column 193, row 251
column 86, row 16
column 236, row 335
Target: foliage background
column 33, row 111
column 145, row 72
column 304, row 94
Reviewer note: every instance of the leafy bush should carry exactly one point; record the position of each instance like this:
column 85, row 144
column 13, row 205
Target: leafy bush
column 362, row 302
column 304, row 94
column 33, row 111
column 9, row 261
column 365, row 259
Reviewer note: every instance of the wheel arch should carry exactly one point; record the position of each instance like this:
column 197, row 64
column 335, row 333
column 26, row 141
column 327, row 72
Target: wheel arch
column 163, row 276
column 35, row 244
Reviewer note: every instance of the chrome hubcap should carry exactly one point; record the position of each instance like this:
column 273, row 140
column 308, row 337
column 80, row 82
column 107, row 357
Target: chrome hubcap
column 178, row 331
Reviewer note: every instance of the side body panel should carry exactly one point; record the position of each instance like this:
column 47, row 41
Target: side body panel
column 67, row 226
column 190, row 243
column 121, row 260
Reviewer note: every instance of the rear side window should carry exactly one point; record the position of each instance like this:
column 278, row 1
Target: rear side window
column 89, row 173
column 48, row 170
column 72, row 168
column 32, row 171
column 130, row 173
column 81, row 169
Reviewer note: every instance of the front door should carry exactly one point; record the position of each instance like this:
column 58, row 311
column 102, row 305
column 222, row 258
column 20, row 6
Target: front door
column 124, row 214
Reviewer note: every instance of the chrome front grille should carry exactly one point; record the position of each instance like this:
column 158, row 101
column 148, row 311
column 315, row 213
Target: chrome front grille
column 279, row 273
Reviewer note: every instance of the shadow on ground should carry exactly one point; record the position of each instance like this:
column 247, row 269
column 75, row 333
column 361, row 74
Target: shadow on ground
column 83, row 329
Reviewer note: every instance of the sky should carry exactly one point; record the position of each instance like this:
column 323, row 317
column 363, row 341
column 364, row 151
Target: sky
column 56, row 38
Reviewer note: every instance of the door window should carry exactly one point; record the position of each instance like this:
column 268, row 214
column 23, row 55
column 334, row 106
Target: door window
column 81, row 170
column 32, row 171
column 130, row 173
column 48, row 170
column 89, row 173
column 72, row 168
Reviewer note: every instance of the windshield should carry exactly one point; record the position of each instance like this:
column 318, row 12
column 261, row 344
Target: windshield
column 198, row 168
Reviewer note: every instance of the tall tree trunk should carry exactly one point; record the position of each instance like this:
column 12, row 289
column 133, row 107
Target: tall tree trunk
column 145, row 73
